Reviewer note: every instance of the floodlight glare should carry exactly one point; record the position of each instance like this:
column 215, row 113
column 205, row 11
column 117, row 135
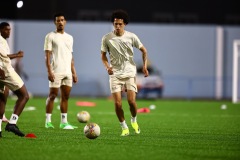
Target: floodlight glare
column 19, row 4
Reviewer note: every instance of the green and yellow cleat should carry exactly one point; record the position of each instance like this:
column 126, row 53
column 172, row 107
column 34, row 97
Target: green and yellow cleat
column 135, row 127
column 125, row 132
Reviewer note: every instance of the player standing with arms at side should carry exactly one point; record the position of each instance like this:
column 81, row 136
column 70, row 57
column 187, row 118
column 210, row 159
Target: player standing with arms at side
column 10, row 79
column 58, row 49
column 122, row 69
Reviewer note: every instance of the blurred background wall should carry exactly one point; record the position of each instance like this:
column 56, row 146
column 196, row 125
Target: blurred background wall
column 185, row 55
column 182, row 38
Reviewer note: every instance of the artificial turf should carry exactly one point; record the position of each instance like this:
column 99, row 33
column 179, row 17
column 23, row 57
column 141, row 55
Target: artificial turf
column 174, row 130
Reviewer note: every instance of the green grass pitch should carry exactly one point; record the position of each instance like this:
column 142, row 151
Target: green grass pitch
column 175, row 130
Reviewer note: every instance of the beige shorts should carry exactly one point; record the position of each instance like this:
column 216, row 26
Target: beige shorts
column 13, row 81
column 116, row 84
column 61, row 79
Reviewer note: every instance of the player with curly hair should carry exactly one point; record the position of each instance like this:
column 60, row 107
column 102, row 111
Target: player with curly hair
column 122, row 70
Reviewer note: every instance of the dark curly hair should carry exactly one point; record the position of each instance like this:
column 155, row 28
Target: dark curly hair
column 120, row 14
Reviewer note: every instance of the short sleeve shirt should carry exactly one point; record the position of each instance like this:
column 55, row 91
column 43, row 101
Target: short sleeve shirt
column 121, row 53
column 5, row 62
column 61, row 46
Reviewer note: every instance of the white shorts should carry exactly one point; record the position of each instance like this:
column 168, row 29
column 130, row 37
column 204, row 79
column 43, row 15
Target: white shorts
column 13, row 81
column 116, row 84
column 61, row 79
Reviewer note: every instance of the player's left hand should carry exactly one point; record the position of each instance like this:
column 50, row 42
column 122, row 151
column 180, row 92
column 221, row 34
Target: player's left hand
column 51, row 77
column 75, row 79
column 145, row 72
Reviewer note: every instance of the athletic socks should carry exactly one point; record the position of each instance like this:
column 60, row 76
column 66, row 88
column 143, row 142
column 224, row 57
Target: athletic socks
column 64, row 117
column 123, row 124
column 13, row 119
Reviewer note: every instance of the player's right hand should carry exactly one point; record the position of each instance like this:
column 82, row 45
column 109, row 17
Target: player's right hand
column 110, row 71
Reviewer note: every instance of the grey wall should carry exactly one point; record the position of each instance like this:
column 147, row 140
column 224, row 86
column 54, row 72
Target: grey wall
column 185, row 54
column 231, row 33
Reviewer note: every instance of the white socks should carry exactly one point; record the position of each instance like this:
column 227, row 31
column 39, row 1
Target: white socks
column 134, row 119
column 48, row 117
column 64, row 117
column 13, row 119
column 123, row 125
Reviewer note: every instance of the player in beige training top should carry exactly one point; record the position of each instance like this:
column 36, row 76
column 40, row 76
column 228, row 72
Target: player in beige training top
column 122, row 69
column 5, row 31
column 58, row 48
column 9, row 79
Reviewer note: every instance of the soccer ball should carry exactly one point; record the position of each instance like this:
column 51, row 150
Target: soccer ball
column 83, row 116
column 92, row 130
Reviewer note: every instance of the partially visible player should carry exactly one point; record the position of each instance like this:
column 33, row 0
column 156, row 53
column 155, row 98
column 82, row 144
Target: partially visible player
column 5, row 30
column 10, row 79
column 58, row 49
column 122, row 69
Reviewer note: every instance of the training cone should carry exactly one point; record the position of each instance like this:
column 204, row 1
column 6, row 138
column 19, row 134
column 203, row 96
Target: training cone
column 31, row 135
column 143, row 110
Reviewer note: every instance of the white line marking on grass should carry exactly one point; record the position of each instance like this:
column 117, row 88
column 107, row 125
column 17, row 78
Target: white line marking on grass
column 29, row 108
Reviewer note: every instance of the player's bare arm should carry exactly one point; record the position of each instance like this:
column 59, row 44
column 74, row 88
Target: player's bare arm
column 144, row 58
column 19, row 54
column 74, row 73
column 47, row 61
column 105, row 63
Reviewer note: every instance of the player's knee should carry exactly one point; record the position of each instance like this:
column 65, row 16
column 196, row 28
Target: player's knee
column 26, row 97
column 118, row 104
column 52, row 97
column 131, row 102
column 65, row 97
